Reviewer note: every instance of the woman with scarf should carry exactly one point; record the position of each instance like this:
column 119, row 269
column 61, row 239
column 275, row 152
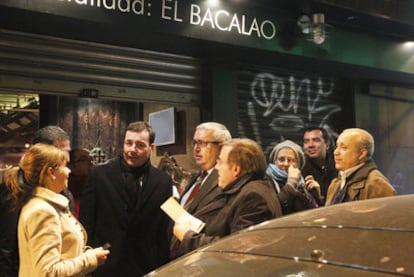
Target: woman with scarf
column 295, row 193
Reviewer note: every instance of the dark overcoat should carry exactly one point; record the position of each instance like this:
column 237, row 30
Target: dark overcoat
column 241, row 204
column 139, row 235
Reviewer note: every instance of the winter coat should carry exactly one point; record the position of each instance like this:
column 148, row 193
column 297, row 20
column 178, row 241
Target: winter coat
column 51, row 240
column 365, row 183
column 243, row 203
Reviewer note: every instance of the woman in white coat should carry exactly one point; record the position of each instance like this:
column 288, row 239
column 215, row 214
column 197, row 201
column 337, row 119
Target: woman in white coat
column 51, row 241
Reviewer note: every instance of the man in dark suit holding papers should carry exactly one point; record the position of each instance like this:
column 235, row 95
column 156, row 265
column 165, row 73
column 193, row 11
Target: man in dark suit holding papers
column 246, row 197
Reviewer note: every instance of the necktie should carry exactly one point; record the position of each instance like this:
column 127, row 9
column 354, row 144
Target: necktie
column 342, row 191
column 196, row 188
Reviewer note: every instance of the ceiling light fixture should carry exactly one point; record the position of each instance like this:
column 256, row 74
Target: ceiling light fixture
column 315, row 29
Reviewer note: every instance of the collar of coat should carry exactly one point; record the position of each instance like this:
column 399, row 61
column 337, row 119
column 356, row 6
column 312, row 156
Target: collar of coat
column 52, row 197
column 362, row 173
column 237, row 184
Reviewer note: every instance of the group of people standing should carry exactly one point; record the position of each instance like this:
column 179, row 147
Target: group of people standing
column 242, row 187
column 119, row 206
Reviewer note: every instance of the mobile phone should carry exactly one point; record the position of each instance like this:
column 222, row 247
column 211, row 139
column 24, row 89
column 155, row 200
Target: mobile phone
column 106, row 246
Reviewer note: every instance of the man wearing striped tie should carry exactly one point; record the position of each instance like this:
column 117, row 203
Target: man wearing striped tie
column 206, row 143
column 202, row 189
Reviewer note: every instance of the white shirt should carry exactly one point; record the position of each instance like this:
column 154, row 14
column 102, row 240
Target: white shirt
column 343, row 174
column 187, row 194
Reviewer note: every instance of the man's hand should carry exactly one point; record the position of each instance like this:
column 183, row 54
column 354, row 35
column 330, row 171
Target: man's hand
column 312, row 184
column 180, row 228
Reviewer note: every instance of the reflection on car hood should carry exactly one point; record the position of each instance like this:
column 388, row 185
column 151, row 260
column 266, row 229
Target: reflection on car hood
column 364, row 238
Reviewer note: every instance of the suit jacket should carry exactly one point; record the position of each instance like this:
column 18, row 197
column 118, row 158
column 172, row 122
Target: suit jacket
column 365, row 183
column 139, row 234
column 208, row 191
column 244, row 203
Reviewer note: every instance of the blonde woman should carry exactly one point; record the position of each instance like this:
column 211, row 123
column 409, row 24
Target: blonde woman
column 51, row 240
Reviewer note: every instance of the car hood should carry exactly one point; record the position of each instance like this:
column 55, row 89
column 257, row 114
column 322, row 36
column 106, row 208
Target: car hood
column 364, row 238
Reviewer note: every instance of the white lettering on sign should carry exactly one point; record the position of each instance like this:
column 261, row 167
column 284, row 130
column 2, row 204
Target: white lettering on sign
column 166, row 9
column 217, row 19
column 227, row 22
column 124, row 6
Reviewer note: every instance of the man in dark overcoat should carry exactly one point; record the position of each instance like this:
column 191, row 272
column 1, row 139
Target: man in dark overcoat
column 120, row 205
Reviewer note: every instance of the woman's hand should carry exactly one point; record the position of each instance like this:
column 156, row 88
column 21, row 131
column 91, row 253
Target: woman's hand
column 101, row 254
column 293, row 176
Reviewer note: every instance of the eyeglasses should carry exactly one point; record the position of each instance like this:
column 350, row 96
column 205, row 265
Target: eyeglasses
column 201, row 143
column 288, row 160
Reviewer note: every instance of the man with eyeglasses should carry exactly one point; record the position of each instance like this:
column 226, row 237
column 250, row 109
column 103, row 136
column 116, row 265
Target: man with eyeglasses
column 206, row 144
column 120, row 205
column 79, row 164
column 247, row 198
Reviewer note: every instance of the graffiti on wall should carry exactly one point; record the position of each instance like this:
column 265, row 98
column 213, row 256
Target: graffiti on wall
column 276, row 107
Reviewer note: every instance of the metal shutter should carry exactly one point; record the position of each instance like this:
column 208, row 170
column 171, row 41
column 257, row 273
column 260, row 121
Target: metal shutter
column 64, row 67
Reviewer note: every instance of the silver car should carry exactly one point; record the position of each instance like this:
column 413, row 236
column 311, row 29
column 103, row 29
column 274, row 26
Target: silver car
column 364, row 238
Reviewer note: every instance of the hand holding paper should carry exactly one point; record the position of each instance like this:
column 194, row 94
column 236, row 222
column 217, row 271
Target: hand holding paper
column 180, row 228
column 183, row 220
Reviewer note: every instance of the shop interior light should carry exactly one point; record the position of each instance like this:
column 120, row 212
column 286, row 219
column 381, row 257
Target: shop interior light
column 213, row 3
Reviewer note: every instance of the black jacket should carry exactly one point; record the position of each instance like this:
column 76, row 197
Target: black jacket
column 139, row 234
column 241, row 204
column 9, row 252
column 322, row 174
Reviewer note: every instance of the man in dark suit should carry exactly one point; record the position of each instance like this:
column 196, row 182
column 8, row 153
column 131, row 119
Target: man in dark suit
column 247, row 198
column 120, row 205
column 201, row 190
column 206, row 144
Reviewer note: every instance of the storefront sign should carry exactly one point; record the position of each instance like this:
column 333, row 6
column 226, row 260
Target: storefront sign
column 197, row 19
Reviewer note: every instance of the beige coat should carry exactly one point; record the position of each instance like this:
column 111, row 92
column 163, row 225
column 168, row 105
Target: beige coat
column 366, row 183
column 51, row 240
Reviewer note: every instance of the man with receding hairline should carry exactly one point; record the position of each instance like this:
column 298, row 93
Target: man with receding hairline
column 359, row 177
